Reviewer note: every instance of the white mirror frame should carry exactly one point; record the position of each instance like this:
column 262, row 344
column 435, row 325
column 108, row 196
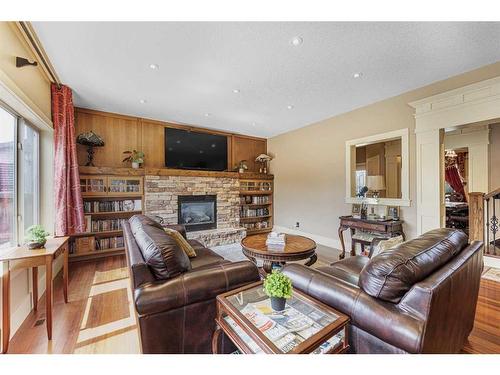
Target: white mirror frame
column 350, row 157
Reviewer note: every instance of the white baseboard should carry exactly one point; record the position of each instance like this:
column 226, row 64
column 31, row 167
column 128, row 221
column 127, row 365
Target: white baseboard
column 322, row 240
column 491, row 261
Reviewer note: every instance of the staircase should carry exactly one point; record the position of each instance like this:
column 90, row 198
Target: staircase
column 484, row 210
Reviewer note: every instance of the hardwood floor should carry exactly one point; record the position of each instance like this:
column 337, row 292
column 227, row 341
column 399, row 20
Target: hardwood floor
column 99, row 317
column 485, row 337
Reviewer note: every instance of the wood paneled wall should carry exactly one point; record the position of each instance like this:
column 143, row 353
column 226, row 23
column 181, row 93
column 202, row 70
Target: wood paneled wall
column 121, row 133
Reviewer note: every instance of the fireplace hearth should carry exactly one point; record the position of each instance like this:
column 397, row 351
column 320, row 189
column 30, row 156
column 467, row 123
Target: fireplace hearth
column 197, row 212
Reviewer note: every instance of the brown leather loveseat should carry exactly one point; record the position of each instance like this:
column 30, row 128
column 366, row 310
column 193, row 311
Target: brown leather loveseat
column 174, row 296
column 419, row 297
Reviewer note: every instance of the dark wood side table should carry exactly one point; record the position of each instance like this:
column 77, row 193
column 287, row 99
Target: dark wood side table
column 389, row 228
column 22, row 257
column 296, row 248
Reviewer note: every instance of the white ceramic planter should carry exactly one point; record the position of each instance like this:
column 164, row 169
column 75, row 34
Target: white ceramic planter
column 135, row 165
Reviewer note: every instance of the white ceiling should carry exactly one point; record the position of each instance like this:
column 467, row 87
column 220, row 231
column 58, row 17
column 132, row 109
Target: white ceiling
column 200, row 64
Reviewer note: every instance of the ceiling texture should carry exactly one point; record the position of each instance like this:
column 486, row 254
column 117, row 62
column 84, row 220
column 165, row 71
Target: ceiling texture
column 201, row 64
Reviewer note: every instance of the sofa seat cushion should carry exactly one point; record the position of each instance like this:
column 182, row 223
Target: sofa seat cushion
column 391, row 274
column 204, row 257
column 160, row 251
column 347, row 269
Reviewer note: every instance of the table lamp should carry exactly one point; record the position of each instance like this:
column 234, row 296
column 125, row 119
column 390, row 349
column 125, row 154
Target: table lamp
column 376, row 184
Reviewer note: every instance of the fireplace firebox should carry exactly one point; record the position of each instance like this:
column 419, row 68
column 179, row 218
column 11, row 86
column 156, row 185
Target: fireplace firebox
column 197, row 212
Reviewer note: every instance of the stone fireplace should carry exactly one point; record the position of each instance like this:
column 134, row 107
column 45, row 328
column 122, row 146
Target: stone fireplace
column 197, row 212
column 164, row 196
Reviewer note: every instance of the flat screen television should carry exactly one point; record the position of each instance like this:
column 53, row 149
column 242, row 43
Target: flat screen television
column 186, row 149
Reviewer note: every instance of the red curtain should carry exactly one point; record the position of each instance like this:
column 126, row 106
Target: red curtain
column 452, row 177
column 68, row 197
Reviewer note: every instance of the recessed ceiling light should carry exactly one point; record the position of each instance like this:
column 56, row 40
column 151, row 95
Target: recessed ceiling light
column 289, row 106
column 207, row 114
column 154, row 66
column 297, row 41
column 142, row 101
column 236, row 91
column 253, row 124
column 357, row 75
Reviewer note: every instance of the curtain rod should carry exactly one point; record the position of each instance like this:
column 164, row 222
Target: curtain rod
column 34, row 44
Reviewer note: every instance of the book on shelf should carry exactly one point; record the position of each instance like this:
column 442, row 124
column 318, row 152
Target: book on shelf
column 106, row 225
column 123, row 205
column 109, row 243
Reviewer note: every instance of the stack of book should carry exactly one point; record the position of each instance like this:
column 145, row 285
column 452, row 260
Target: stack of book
column 275, row 240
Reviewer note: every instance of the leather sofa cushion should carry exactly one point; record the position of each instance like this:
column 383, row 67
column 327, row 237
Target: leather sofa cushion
column 160, row 251
column 389, row 275
column 347, row 269
column 204, row 257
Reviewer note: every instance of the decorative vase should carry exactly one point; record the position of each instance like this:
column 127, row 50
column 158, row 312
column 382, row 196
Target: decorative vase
column 36, row 245
column 241, row 170
column 278, row 303
column 135, row 165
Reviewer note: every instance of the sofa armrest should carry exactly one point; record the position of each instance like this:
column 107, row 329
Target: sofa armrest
column 384, row 320
column 194, row 286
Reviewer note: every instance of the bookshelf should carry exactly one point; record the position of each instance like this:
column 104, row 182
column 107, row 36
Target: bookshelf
column 107, row 199
column 256, row 204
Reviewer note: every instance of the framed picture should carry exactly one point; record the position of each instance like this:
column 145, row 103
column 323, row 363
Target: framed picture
column 393, row 212
column 356, row 209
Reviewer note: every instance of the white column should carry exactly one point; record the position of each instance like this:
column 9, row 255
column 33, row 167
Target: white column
column 430, row 159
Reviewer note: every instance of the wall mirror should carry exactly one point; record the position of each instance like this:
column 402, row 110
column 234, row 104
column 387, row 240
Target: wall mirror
column 377, row 169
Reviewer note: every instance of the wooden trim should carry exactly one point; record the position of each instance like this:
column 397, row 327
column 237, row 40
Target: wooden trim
column 492, row 194
column 189, row 173
column 125, row 172
column 30, row 37
column 84, row 170
column 476, row 216
column 166, row 124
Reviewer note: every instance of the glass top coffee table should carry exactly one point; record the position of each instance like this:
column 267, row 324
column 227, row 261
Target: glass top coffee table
column 305, row 326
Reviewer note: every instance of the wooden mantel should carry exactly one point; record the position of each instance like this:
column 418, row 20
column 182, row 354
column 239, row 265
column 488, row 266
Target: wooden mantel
column 169, row 172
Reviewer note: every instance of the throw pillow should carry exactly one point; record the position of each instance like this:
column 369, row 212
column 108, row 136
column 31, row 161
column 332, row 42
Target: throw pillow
column 181, row 241
column 386, row 245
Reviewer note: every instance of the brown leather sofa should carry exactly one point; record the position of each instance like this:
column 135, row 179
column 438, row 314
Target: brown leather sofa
column 419, row 297
column 176, row 314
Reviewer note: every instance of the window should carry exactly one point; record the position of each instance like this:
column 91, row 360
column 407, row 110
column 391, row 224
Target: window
column 19, row 178
column 28, row 158
column 360, row 180
column 8, row 124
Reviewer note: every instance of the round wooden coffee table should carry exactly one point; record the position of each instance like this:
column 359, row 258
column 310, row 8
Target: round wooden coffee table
column 296, row 248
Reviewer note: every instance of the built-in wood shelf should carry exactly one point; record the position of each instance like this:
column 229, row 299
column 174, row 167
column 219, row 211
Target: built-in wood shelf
column 256, row 192
column 250, row 205
column 254, row 217
column 109, row 233
column 256, row 231
column 110, row 213
column 84, row 170
column 97, row 254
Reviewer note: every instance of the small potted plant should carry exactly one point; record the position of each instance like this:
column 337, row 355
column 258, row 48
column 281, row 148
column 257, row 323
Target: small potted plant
column 242, row 166
column 278, row 287
column 135, row 157
column 37, row 237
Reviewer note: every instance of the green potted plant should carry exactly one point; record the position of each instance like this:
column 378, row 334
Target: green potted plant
column 242, row 166
column 278, row 287
column 36, row 237
column 135, row 157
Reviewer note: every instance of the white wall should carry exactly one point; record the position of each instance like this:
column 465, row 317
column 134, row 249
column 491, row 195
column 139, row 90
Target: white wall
column 309, row 164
